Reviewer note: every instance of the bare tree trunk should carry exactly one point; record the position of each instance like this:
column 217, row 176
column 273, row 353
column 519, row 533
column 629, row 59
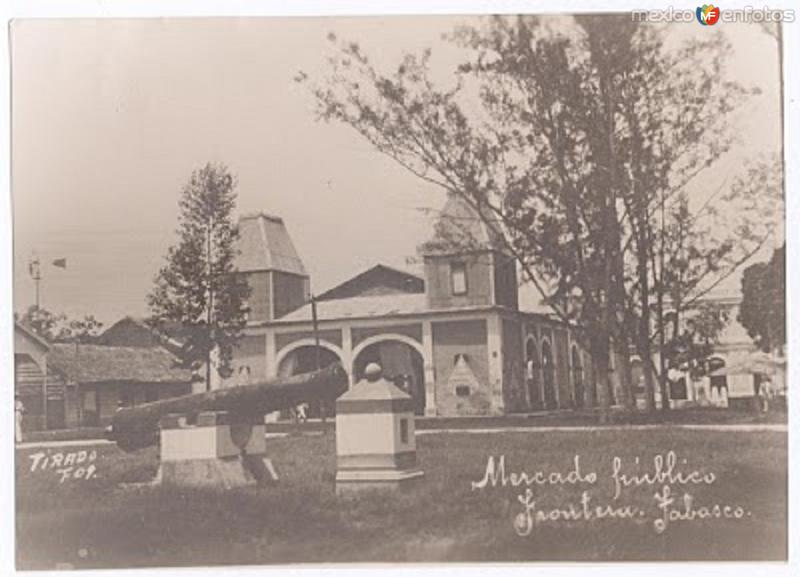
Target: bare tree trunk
column 662, row 337
column 626, row 378
column 644, row 346
column 600, row 351
column 210, row 305
column 615, row 266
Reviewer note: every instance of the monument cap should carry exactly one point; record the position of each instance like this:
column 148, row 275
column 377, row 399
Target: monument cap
column 373, row 372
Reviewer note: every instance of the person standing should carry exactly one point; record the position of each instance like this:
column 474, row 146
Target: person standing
column 300, row 412
column 19, row 410
column 765, row 393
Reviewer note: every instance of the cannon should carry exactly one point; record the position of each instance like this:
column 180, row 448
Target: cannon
column 135, row 428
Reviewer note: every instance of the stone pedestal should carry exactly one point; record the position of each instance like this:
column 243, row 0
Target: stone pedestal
column 214, row 452
column 375, row 444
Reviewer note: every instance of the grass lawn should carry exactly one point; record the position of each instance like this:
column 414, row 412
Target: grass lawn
column 98, row 523
column 570, row 418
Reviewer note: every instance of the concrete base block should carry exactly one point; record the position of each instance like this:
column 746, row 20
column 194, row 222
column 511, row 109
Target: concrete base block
column 215, row 451
column 228, row 472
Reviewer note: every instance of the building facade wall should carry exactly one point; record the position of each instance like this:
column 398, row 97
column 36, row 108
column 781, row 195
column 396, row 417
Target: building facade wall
column 450, row 339
column 506, row 287
column 566, row 393
column 438, row 280
column 260, row 296
column 94, row 404
column 513, row 367
column 332, row 336
column 413, row 331
column 71, row 420
column 250, row 353
column 290, row 292
column 30, row 375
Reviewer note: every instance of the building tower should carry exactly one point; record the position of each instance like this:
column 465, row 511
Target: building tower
column 278, row 280
column 466, row 263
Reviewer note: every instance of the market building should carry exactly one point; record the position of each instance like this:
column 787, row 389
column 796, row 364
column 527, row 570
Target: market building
column 455, row 338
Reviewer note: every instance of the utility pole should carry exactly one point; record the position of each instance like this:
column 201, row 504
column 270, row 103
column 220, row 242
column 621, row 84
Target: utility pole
column 315, row 325
column 317, row 360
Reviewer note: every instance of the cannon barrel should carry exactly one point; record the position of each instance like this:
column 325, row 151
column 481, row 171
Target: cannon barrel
column 138, row 427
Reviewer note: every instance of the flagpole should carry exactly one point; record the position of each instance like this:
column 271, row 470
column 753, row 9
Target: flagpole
column 35, row 270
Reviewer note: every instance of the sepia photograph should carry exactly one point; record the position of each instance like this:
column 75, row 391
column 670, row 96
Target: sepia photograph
column 400, row 289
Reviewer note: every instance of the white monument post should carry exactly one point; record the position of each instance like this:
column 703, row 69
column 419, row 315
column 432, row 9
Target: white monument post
column 375, row 444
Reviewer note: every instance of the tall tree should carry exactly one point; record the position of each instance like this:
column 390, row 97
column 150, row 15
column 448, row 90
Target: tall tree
column 199, row 286
column 43, row 322
column 58, row 327
column 83, row 330
column 576, row 141
column 763, row 308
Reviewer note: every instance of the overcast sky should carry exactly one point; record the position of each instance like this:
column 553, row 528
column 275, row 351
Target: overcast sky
column 109, row 118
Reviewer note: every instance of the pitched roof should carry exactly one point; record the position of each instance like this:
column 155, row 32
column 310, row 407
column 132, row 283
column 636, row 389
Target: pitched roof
column 375, row 306
column 128, row 332
column 136, row 332
column 98, row 364
column 265, row 244
column 461, row 227
column 30, row 333
column 379, row 279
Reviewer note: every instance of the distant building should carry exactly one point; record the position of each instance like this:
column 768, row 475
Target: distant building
column 33, row 382
column 455, row 339
column 84, row 384
column 734, row 369
column 133, row 332
column 737, row 366
column 105, row 378
column 128, row 332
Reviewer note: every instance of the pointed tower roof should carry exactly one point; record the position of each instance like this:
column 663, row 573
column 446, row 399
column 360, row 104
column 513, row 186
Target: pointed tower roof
column 461, row 227
column 265, row 244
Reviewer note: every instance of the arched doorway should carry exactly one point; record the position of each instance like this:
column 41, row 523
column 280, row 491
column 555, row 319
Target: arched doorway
column 549, row 376
column 718, row 384
column 304, row 359
column 401, row 363
column 637, row 376
column 532, row 367
column 577, row 377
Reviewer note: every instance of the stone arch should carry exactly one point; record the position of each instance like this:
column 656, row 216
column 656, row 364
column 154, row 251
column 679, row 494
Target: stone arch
column 404, row 364
column 578, row 376
column 638, row 376
column 303, row 356
column 388, row 337
column 548, row 361
column 307, row 342
column 533, row 366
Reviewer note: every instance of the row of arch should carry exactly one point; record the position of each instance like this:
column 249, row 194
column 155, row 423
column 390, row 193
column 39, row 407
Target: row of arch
column 339, row 352
column 400, row 356
column 540, row 375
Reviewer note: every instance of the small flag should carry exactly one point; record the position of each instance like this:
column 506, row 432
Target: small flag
column 60, row 263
